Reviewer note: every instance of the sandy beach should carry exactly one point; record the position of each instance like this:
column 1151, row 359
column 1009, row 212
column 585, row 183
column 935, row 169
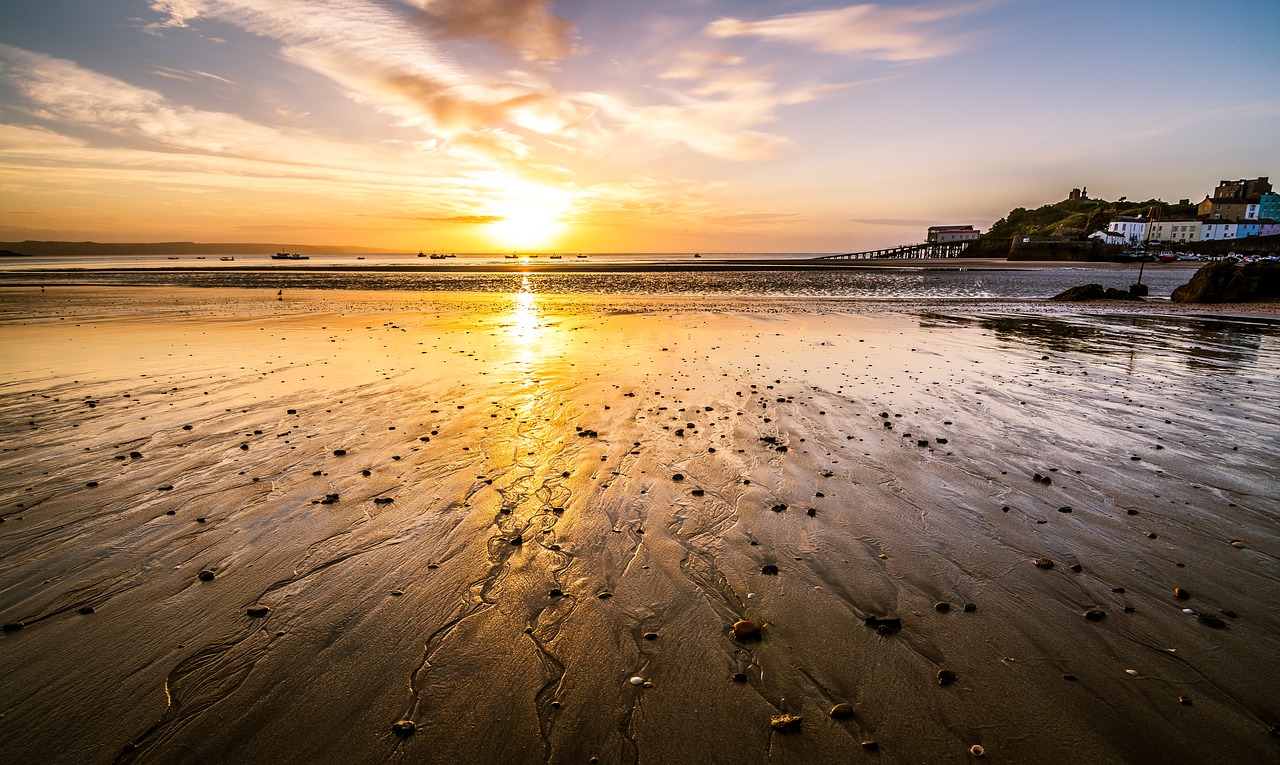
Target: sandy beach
column 348, row 527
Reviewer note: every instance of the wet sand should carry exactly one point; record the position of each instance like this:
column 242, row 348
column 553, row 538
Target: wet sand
column 239, row 529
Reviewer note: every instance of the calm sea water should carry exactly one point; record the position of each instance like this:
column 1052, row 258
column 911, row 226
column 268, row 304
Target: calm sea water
column 952, row 280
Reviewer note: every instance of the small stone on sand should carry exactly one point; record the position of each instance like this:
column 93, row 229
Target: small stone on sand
column 403, row 727
column 786, row 723
column 258, row 610
column 745, row 629
column 206, row 575
column 1043, row 563
column 946, row 677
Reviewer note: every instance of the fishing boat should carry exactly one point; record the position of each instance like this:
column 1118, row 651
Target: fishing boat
column 557, row 257
column 290, row 256
column 420, row 254
column 437, row 256
column 227, row 258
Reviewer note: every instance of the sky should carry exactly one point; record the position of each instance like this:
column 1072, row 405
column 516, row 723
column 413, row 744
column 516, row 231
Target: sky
column 614, row 125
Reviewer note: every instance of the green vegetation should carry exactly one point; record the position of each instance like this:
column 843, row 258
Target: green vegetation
column 1077, row 218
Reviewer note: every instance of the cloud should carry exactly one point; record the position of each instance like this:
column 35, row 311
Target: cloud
column 868, row 30
column 525, row 26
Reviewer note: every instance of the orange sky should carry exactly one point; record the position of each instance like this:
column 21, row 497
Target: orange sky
column 485, row 125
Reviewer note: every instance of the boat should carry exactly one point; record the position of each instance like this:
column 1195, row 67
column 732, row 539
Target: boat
column 290, row 256
column 451, row 255
column 557, row 257
column 171, row 258
column 420, row 254
column 437, row 256
column 512, row 256
column 582, row 256
column 199, row 257
column 226, row 258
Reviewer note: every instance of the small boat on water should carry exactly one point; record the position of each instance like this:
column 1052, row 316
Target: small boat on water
column 420, row 254
column 557, row 257
column 512, row 256
column 290, row 256
column 227, row 258
column 437, row 256
column 451, row 255
column 582, row 256
column 171, row 258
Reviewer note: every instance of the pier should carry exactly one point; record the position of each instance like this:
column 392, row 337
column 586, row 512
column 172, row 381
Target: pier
column 903, row 251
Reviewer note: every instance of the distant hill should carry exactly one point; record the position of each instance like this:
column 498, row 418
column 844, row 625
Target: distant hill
column 1077, row 218
column 47, row 249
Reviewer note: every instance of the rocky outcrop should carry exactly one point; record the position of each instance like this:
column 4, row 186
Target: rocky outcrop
column 1226, row 282
column 1092, row 292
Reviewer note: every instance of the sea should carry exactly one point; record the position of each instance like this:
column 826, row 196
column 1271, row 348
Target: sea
column 494, row 273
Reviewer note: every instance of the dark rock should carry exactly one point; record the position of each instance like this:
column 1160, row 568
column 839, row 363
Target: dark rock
column 946, row 677
column 556, row 593
column 678, row 477
column 1064, row 509
column 1095, row 614
column 92, row 484
column 258, row 610
column 739, row 677
column 942, row 607
column 871, row 745
column 970, row 608
column 885, row 625
column 403, row 727
column 1069, row 678
column 1211, row 621
column 769, row 569
column 841, row 711
column 778, row 507
column 206, row 575
column 13, row 626
column 1043, row 563
column 1181, row 594
column 1092, row 292
column 697, row 492
column 339, row 452
column 1076, row 567
column 650, row 636
column 383, row 500
column 1226, row 282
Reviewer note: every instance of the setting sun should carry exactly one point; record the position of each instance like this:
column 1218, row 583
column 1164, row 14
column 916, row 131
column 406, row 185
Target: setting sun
column 529, row 217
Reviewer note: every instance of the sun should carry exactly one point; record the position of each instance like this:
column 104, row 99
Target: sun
column 528, row 217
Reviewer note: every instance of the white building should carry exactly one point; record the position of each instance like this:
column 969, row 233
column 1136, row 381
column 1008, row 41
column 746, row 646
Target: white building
column 1217, row 230
column 1132, row 230
column 1174, row 231
column 1109, row 237
column 1251, row 211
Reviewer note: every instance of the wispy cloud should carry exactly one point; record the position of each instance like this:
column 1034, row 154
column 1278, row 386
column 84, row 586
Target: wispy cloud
column 873, row 31
column 527, row 27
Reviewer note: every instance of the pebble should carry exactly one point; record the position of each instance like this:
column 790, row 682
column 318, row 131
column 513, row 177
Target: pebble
column 970, row 607
column 739, row 677
column 556, row 593
column 1133, row 672
column 977, row 751
column 1181, row 594
column 769, row 569
column 339, row 452
column 636, row 680
column 1064, row 509
column 1043, row 563
column 1211, row 621
column 403, row 727
column 841, row 711
column 383, row 500
column 678, row 477
column 206, row 575
column 1095, row 614
column 650, row 636
column 258, row 610
column 745, row 629
column 942, row 607
column 946, row 677
column 786, row 723
column 871, row 745
column 1184, row 701
column 13, row 626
